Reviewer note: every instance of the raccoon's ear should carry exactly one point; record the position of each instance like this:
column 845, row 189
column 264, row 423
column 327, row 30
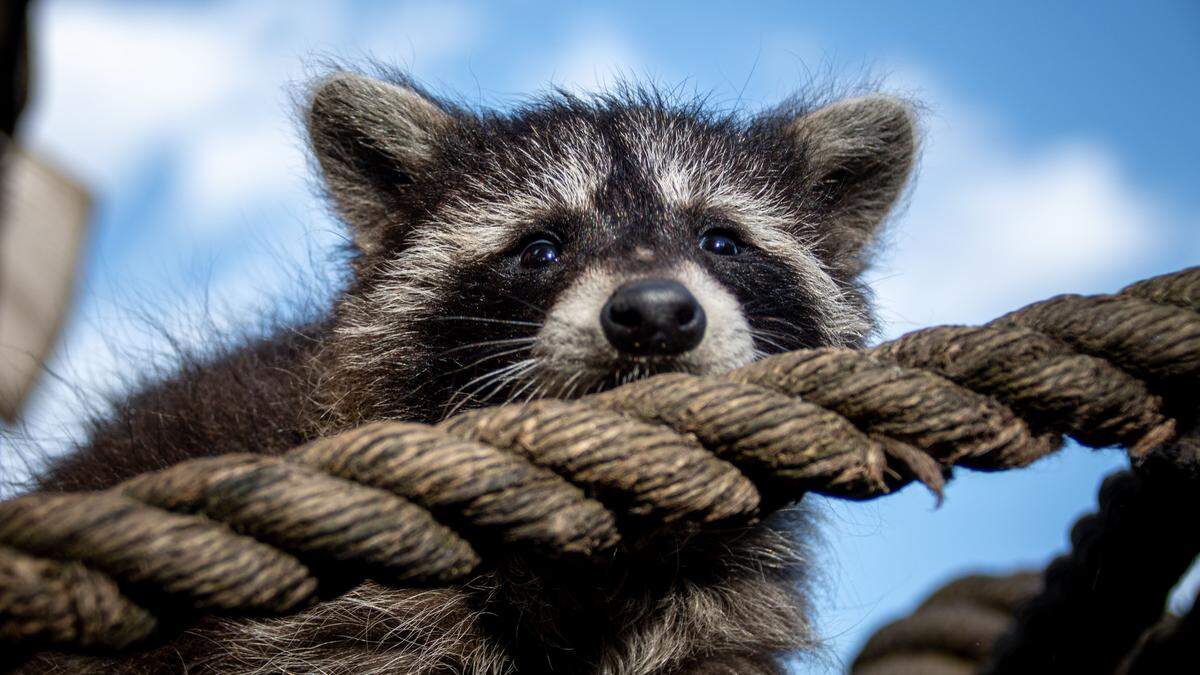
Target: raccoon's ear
column 373, row 141
column 860, row 153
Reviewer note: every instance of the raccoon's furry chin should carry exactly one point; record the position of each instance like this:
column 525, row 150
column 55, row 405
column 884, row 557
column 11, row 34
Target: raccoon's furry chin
column 580, row 379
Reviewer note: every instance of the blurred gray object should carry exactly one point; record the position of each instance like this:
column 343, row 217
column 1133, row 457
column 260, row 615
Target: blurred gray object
column 43, row 217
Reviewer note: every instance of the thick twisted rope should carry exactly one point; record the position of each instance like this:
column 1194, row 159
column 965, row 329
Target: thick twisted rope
column 408, row 503
column 1096, row 607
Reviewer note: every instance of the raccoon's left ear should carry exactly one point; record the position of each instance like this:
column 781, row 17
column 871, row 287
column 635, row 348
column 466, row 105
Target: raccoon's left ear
column 374, row 141
column 860, row 153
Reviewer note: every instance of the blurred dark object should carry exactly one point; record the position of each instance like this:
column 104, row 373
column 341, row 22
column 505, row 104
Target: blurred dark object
column 14, row 63
column 1101, row 607
column 43, row 215
column 952, row 632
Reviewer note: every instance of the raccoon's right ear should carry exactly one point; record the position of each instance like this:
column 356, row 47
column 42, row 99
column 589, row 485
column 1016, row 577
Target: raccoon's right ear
column 373, row 141
column 860, row 154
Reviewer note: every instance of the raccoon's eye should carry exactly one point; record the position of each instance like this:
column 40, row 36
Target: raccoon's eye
column 539, row 253
column 720, row 242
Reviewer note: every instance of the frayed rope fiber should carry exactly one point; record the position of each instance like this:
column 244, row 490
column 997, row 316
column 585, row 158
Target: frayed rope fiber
column 407, row 503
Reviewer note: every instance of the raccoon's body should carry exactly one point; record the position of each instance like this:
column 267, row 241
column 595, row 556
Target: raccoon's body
column 561, row 249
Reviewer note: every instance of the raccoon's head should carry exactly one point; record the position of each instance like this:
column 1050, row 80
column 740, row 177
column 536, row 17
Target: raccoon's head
column 576, row 243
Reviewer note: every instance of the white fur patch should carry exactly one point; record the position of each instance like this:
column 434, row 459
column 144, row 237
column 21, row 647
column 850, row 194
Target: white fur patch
column 571, row 343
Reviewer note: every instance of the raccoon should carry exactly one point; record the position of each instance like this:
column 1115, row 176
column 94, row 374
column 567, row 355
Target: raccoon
column 562, row 248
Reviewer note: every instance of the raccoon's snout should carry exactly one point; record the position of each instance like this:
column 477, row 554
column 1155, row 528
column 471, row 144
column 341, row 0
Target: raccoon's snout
column 653, row 317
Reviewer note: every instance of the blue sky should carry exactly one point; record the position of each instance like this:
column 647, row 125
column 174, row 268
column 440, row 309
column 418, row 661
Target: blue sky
column 1061, row 155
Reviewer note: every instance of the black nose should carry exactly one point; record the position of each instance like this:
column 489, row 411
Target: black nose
column 653, row 317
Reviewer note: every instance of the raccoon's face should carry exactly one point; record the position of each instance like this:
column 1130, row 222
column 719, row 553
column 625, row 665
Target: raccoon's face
column 576, row 244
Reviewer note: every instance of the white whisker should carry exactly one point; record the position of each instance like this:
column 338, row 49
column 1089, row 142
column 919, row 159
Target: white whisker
column 461, row 396
column 516, row 395
column 484, row 319
column 488, row 343
column 568, row 386
column 489, row 358
column 759, row 336
column 507, row 379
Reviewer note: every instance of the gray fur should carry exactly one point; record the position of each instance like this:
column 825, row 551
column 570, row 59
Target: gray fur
column 862, row 151
column 357, row 125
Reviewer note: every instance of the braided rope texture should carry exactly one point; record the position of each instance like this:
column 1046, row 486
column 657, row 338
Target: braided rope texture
column 406, row 503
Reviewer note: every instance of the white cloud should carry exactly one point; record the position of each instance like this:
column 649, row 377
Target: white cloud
column 595, row 59
column 228, row 167
column 206, row 89
column 116, row 80
column 993, row 225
